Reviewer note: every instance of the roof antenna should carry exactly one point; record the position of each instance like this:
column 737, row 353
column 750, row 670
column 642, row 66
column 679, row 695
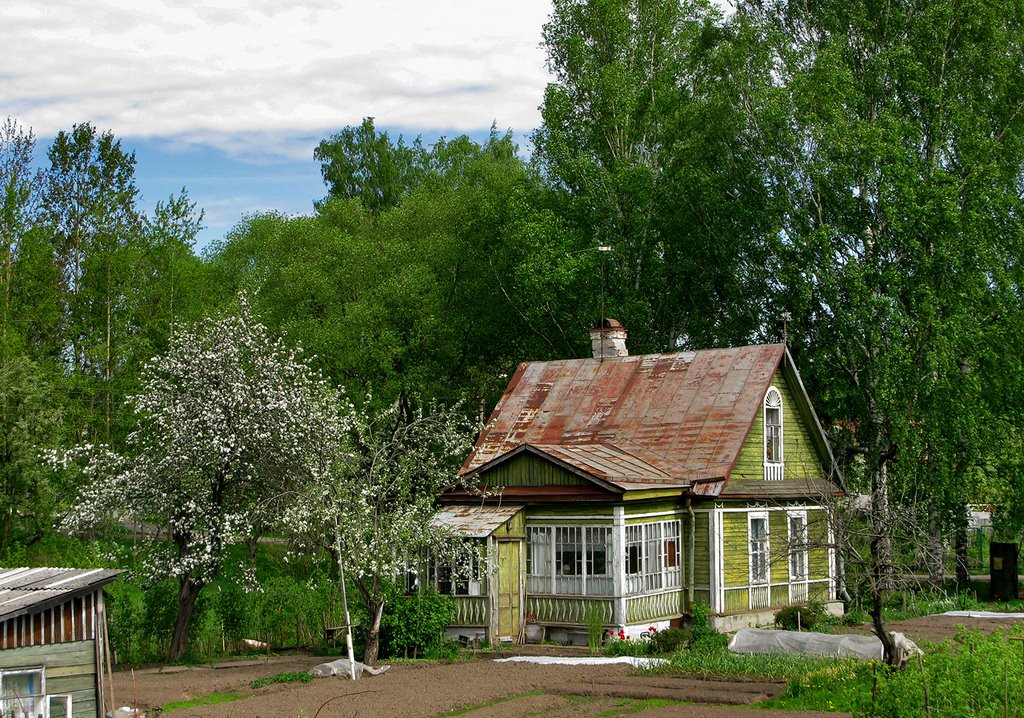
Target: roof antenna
column 786, row 317
column 603, row 249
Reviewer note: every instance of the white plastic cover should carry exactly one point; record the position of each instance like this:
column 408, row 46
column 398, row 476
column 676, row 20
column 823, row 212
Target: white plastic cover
column 759, row 640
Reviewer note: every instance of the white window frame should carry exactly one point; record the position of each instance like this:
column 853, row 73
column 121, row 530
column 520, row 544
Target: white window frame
column 765, row 550
column 38, row 699
column 773, row 460
column 550, row 571
column 798, row 550
column 657, row 564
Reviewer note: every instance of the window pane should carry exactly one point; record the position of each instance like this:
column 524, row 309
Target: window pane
column 798, row 548
column 569, row 557
column 759, row 549
column 538, row 559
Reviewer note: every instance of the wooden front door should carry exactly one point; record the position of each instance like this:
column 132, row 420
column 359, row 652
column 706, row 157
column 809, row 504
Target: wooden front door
column 510, row 606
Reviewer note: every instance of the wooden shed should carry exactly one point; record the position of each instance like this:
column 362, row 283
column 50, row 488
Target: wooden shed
column 52, row 629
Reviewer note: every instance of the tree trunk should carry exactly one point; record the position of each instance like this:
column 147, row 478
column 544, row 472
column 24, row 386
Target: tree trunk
column 188, row 594
column 881, row 556
column 374, row 609
column 963, row 556
column 935, row 550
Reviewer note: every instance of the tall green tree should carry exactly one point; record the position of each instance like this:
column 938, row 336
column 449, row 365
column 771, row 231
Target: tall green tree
column 362, row 163
column 894, row 136
column 20, row 184
column 90, row 214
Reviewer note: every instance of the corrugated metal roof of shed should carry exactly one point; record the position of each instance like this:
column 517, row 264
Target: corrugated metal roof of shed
column 24, row 590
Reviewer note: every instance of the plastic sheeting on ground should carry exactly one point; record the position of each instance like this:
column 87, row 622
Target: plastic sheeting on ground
column 983, row 614
column 759, row 640
column 341, row 668
column 584, row 660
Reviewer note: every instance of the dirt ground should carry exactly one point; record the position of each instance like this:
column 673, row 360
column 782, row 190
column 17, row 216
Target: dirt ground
column 477, row 688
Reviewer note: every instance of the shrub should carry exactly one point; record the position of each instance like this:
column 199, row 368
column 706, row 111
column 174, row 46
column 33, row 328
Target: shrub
column 794, row 617
column 415, row 623
column 670, row 640
column 704, row 636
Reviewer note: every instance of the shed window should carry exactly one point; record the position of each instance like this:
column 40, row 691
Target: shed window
column 22, row 692
column 773, row 446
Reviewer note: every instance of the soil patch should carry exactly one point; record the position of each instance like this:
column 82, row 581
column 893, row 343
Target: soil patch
column 479, row 687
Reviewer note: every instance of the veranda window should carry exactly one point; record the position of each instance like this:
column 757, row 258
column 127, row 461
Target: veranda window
column 652, row 556
column 569, row 560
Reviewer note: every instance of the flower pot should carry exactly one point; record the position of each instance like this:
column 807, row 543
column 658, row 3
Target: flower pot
column 534, row 633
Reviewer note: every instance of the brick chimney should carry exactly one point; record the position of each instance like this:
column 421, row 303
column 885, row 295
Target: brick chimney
column 608, row 341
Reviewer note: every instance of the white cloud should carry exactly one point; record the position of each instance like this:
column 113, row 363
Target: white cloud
column 233, row 73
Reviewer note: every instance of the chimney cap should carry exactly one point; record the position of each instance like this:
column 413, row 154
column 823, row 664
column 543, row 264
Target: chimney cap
column 608, row 323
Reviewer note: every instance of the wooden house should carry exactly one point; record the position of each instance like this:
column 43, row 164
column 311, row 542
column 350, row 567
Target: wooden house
column 52, row 658
column 628, row 488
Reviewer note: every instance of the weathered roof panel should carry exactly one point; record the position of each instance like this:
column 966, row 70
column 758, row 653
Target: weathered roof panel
column 26, row 590
column 475, row 521
column 660, row 418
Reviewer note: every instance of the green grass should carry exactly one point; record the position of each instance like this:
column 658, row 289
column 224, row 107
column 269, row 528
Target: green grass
column 630, row 706
column 497, row 701
column 286, row 677
column 207, row 700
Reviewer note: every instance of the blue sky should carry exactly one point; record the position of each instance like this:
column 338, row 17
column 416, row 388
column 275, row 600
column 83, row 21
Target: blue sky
column 229, row 97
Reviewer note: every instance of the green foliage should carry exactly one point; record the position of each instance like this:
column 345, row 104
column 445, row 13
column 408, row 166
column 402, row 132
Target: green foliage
column 160, row 609
column 413, row 625
column 972, row 675
column 804, row 617
column 629, row 647
column 594, row 619
column 670, row 640
column 285, row 677
column 703, row 636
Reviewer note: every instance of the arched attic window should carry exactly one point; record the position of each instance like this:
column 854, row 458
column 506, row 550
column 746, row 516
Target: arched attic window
column 773, row 459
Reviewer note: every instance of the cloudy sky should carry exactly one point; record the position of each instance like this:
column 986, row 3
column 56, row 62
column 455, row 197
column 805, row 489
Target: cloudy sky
column 229, row 97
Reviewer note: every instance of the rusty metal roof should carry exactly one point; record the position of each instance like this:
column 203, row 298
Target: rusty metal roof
column 675, row 419
column 475, row 521
column 27, row 590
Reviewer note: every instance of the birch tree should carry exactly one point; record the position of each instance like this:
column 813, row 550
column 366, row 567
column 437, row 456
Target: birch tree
column 226, row 420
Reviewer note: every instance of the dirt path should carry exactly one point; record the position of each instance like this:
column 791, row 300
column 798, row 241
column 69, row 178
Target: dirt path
column 426, row 690
column 478, row 688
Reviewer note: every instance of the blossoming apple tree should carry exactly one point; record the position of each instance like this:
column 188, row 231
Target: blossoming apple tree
column 226, row 422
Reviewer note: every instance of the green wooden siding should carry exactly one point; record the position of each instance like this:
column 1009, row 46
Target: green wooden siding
column 701, row 553
column 802, row 473
column 653, row 507
column 515, row 527
column 778, row 547
column 70, row 668
column 817, row 538
column 530, row 470
column 541, row 514
column 735, row 559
